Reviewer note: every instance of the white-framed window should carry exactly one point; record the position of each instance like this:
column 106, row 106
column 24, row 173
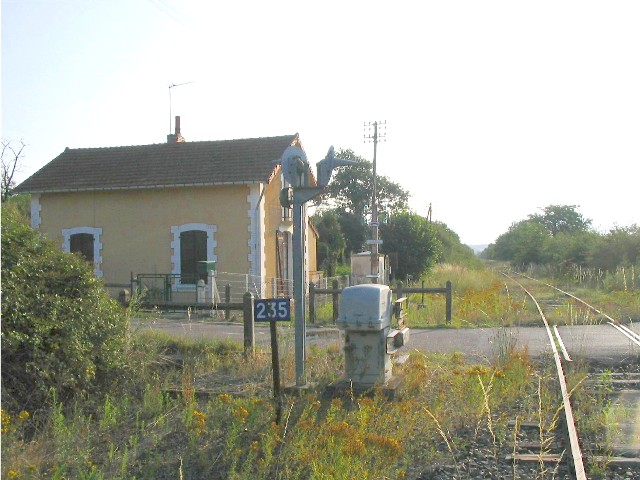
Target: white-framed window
column 192, row 243
column 86, row 242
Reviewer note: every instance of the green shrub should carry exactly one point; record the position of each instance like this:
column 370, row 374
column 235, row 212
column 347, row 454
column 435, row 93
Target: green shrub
column 60, row 330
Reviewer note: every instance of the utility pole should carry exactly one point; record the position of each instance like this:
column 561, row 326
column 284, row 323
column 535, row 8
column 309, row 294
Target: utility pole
column 375, row 240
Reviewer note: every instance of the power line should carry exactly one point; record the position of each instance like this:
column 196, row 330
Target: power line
column 170, row 11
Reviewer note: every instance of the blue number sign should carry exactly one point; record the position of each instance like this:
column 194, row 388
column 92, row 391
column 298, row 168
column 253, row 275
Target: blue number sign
column 272, row 309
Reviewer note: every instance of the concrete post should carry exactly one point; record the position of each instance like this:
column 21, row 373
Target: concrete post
column 227, row 301
column 312, row 302
column 336, row 300
column 201, row 292
column 249, row 327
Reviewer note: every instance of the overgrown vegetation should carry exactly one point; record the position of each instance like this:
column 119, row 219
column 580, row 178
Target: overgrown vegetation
column 413, row 243
column 84, row 397
column 167, row 428
column 60, row 331
column 482, row 297
column 560, row 239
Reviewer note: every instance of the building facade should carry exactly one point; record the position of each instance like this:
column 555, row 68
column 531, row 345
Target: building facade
column 164, row 209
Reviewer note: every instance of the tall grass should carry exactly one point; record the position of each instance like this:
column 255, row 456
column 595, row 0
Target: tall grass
column 191, row 415
column 480, row 298
column 201, row 409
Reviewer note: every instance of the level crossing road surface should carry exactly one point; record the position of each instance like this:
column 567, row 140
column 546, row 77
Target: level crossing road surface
column 601, row 343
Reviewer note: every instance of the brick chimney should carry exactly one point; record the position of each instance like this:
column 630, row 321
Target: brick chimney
column 177, row 136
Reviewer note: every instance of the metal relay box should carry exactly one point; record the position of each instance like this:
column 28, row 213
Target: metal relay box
column 365, row 307
column 365, row 316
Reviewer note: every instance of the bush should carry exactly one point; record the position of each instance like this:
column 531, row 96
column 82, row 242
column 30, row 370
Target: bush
column 415, row 240
column 60, row 330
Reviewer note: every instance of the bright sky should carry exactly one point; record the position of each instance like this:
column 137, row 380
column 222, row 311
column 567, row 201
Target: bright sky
column 494, row 109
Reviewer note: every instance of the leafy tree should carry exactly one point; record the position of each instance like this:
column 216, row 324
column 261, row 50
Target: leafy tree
column 619, row 247
column 524, row 243
column 351, row 188
column 354, row 230
column 454, row 251
column 331, row 244
column 565, row 249
column 60, row 330
column 560, row 236
column 22, row 203
column 349, row 195
column 415, row 241
column 561, row 219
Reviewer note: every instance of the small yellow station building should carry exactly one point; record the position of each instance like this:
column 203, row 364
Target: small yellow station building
column 166, row 208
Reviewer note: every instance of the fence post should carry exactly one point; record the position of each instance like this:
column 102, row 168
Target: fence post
column 167, row 288
column 399, row 290
column 249, row 332
column 200, row 292
column 336, row 300
column 227, row 301
column 312, row 302
column 449, row 302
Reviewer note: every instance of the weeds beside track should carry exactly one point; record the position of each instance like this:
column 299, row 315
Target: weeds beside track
column 600, row 460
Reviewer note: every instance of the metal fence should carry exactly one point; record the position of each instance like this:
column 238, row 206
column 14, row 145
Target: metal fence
column 329, row 283
column 168, row 288
column 260, row 287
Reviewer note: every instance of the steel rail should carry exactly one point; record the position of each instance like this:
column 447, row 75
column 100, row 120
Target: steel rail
column 630, row 334
column 633, row 336
column 576, row 452
column 565, row 354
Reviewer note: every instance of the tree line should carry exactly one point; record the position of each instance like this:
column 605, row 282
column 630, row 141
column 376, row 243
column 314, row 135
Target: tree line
column 413, row 243
column 558, row 236
column 561, row 236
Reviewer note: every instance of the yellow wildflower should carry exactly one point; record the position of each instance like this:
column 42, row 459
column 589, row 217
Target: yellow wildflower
column 224, row 398
column 340, row 429
column 241, row 414
column 355, row 447
column 6, row 420
column 200, row 423
column 477, row 370
column 389, row 444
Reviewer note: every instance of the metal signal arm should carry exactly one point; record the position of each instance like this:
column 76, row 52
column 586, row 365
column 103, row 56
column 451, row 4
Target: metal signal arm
column 325, row 167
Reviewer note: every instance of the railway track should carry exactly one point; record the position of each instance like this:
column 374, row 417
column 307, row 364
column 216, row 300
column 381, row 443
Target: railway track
column 623, row 329
column 612, row 394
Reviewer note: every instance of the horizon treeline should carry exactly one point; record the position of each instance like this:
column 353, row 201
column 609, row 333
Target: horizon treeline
column 561, row 237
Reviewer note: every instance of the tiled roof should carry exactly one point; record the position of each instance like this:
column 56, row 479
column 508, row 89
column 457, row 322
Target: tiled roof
column 248, row 160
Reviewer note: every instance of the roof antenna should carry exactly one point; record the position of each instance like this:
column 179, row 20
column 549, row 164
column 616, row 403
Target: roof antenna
column 173, row 85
